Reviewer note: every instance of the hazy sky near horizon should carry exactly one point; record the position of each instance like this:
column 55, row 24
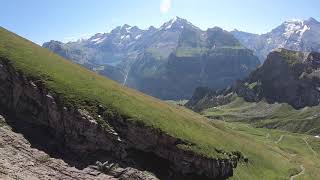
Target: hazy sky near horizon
column 67, row 20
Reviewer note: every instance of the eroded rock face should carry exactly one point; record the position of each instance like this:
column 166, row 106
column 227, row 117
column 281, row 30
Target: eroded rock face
column 286, row 77
column 19, row 159
column 28, row 100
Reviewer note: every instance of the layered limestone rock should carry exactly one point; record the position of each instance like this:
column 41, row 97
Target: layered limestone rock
column 20, row 160
column 29, row 100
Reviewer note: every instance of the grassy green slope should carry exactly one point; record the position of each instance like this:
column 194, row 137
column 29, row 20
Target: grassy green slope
column 81, row 88
column 302, row 150
column 276, row 116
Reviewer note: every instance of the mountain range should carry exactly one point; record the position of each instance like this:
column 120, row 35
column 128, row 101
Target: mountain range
column 298, row 35
column 167, row 62
column 171, row 61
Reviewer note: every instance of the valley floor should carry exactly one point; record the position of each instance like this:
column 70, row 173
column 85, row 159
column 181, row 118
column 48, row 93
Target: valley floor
column 296, row 156
column 303, row 151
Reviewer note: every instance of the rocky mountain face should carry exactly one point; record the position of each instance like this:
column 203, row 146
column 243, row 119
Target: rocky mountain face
column 298, row 35
column 168, row 62
column 286, row 77
column 23, row 157
column 122, row 144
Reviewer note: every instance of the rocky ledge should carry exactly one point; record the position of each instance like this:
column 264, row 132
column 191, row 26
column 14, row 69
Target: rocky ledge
column 20, row 160
column 28, row 100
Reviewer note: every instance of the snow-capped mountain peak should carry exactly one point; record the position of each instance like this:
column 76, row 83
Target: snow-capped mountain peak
column 294, row 34
column 295, row 27
column 176, row 23
column 298, row 26
column 312, row 20
column 126, row 27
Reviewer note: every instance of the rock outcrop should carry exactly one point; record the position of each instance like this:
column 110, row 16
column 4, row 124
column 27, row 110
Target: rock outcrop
column 29, row 100
column 20, row 160
column 286, row 77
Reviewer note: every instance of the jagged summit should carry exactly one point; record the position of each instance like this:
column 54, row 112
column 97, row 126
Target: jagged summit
column 126, row 26
column 312, row 20
column 295, row 28
column 152, row 28
column 294, row 20
column 177, row 23
column 177, row 19
column 295, row 34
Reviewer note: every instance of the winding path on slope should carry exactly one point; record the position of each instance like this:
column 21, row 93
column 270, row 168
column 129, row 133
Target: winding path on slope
column 301, row 166
column 299, row 174
column 308, row 145
column 280, row 139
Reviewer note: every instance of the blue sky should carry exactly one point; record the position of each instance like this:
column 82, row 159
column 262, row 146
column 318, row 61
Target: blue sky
column 65, row 20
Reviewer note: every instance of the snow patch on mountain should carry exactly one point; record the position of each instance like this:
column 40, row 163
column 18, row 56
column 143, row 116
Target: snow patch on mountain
column 176, row 22
column 98, row 40
column 305, row 28
column 169, row 25
column 128, row 28
column 295, row 27
column 138, row 37
column 269, row 41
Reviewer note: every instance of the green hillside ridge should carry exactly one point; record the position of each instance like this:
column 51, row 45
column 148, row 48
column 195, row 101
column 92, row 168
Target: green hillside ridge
column 262, row 114
column 81, row 88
